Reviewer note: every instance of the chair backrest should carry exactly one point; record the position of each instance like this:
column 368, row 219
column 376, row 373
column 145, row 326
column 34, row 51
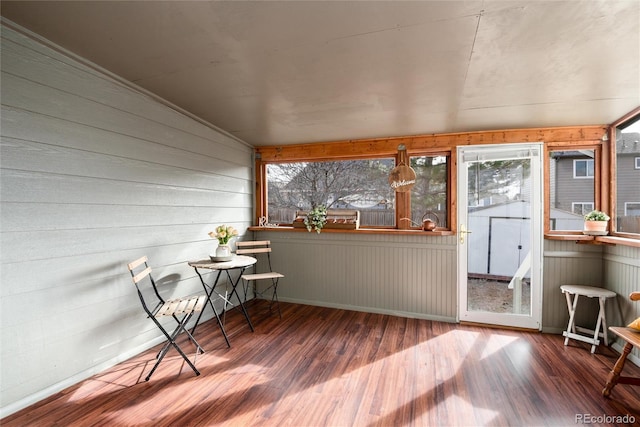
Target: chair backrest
column 140, row 270
column 255, row 247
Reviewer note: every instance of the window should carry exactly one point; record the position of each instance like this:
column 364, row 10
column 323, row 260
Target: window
column 343, row 184
column 627, row 176
column 363, row 185
column 583, row 168
column 429, row 194
column 582, row 208
column 580, row 176
column 632, row 209
column 570, row 199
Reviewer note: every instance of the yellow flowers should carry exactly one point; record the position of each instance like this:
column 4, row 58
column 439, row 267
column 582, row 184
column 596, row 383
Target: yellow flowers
column 223, row 233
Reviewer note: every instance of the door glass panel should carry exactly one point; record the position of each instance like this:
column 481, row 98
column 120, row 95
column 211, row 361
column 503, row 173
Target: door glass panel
column 498, row 251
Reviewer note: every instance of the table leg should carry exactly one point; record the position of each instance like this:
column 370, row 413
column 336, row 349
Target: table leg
column 596, row 333
column 234, row 290
column 572, row 312
column 209, row 293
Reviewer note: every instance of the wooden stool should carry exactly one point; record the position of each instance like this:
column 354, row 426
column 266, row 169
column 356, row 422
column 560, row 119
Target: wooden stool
column 573, row 292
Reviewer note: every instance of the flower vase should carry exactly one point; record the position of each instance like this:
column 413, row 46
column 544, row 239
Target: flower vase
column 223, row 251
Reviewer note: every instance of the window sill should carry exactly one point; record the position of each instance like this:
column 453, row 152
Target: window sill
column 387, row 231
column 597, row 240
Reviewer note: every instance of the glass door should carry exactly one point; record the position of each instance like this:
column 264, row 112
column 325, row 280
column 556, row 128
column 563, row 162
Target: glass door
column 500, row 235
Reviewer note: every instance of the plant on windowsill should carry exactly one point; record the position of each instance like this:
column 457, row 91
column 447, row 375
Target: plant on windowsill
column 595, row 223
column 316, row 218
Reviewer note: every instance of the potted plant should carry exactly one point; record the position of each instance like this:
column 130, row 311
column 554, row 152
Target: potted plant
column 316, row 218
column 595, row 222
column 223, row 234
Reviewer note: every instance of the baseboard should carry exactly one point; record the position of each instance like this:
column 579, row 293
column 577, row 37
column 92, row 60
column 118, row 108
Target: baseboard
column 371, row 310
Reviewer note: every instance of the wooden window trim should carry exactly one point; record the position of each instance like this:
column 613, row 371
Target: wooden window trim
column 600, row 138
column 612, row 177
column 598, row 201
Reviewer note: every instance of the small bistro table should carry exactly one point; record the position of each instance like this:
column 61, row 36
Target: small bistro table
column 238, row 262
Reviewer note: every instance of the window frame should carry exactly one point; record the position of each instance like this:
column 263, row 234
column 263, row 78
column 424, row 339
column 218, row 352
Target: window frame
column 573, row 205
column 402, row 206
column 628, row 118
column 591, row 137
column 598, row 169
column 575, row 164
column 626, row 207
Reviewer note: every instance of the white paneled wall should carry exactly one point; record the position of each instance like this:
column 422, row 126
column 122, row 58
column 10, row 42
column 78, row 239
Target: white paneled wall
column 95, row 173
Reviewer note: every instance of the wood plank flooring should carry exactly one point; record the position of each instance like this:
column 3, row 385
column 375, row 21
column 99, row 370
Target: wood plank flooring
column 327, row 367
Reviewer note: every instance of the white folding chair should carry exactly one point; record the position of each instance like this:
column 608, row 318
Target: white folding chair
column 180, row 309
column 260, row 248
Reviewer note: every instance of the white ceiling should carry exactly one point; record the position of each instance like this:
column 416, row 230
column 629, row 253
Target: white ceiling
column 288, row 72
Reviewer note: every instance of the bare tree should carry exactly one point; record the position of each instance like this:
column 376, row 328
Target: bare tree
column 308, row 185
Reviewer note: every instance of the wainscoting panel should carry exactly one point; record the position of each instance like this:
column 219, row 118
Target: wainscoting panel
column 412, row 276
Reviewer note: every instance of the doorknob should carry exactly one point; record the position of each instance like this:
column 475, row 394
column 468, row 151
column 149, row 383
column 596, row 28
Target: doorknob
column 463, row 231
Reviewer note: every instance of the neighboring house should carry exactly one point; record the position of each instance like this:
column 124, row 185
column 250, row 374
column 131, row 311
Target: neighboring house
column 628, row 189
column 572, row 189
column 572, row 185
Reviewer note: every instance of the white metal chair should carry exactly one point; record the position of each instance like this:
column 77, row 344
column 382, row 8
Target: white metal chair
column 257, row 248
column 180, row 309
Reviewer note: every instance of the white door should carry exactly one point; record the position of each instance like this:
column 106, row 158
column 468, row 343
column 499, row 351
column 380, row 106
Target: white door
column 500, row 235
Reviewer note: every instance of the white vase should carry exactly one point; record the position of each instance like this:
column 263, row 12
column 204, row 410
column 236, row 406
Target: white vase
column 223, row 251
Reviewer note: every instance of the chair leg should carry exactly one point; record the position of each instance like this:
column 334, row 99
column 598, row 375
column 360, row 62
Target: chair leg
column 614, row 375
column 171, row 341
column 274, row 298
column 193, row 340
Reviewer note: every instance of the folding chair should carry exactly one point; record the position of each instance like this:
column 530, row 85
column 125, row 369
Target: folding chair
column 184, row 307
column 260, row 247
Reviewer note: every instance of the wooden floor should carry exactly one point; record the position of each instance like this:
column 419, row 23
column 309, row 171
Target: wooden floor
column 327, row 367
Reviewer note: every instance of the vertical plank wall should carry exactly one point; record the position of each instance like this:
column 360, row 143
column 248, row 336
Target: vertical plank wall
column 95, row 174
column 412, row 276
column 622, row 275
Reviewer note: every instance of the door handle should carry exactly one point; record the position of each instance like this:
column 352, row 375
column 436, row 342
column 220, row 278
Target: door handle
column 463, row 231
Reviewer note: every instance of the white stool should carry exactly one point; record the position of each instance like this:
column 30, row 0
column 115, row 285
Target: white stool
column 576, row 291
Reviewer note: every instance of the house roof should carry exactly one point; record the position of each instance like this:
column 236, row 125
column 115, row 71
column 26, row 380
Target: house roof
column 280, row 72
column 628, row 143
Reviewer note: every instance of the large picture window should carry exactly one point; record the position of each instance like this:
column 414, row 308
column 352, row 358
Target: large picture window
column 342, row 184
column 362, row 185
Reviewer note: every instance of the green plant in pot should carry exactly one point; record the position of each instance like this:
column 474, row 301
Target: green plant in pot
column 316, row 218
column 595, row 222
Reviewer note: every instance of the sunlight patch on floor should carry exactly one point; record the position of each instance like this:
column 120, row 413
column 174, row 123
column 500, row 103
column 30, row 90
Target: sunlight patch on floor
column 496, row 343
